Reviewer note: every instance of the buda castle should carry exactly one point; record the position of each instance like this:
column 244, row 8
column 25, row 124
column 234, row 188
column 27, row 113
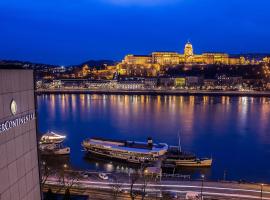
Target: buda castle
column 151, row 65
column 157, row 63
column 174, row 58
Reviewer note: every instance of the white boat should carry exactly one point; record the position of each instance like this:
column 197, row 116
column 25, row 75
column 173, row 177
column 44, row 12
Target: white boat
column 52, row 138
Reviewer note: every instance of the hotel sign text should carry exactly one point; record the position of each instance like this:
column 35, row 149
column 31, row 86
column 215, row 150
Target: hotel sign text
column 16, row 122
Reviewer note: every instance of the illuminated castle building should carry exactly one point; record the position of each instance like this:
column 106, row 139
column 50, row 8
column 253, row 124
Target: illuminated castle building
column 174, row 58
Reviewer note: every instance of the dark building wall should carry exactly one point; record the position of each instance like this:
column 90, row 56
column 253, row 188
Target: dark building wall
column 19, row 172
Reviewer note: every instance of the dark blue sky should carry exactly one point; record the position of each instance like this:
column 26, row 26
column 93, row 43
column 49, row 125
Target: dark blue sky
column 72, row 31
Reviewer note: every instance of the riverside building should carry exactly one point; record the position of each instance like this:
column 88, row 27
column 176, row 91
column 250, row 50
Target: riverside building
column 19, row 171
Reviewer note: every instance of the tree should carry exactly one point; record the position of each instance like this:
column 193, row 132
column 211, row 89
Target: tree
column 134, row 177
column 67, row 178
column 45, row 171
column 146, row 178
column 116, row 187
column 49, row 195
column 67, row 195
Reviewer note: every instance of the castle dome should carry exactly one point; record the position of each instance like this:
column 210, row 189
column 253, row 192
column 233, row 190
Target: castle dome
column 188, row 51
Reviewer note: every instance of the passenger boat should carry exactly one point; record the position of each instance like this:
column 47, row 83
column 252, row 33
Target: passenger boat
column 52, row 137
column 178, row 158
column 54, row 149
column 129, row 151
column 175, row 157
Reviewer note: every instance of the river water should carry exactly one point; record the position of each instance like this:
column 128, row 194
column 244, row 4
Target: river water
column 235, row 131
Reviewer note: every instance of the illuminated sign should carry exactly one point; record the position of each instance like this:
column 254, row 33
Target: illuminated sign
column 5, row 126
column 16, row 122
column 13, row 107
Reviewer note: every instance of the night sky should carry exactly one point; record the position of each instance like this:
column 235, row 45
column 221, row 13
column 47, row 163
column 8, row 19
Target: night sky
column 72, row 31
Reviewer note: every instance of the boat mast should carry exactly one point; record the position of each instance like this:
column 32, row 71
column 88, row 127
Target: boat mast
column 179, row 142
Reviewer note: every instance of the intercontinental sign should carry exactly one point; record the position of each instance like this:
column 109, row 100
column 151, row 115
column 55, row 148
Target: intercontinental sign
column 15, row 122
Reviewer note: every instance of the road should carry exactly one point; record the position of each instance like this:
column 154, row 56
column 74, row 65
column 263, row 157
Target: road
column 215, row 190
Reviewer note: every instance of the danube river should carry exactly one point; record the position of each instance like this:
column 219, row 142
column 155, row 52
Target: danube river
column 235, row 131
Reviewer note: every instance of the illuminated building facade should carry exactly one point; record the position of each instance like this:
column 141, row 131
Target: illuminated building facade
column 152, row 64
column 165, row 58
column 137, row 59
column 83, row 72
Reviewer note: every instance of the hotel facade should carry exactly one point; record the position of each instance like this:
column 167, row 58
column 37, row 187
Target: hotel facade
column 19, row 171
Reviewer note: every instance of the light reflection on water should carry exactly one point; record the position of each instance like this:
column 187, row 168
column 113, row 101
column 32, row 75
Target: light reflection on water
column 234, row 130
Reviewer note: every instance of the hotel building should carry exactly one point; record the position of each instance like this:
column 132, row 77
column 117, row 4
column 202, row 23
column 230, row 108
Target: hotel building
column 19, row 171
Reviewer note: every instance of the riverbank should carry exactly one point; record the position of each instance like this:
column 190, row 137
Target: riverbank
column 156, row 92
column 98, row 189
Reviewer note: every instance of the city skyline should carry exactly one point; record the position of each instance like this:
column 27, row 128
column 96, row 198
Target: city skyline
column 73, row 32
column 179, row 51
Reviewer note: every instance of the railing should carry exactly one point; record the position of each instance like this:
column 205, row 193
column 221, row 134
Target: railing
column 182, row 176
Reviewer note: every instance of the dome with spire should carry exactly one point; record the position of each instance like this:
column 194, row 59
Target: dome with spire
column 188, row 51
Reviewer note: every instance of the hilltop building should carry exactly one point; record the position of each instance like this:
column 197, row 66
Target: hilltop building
column 150, row 65
column 174, row 58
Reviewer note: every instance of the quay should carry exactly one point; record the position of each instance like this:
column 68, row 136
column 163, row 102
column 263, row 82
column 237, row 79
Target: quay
column 154, row 92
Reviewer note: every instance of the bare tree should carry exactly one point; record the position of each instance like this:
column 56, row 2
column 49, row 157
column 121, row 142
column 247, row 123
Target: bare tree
column 45, row 171
column 116, row 187
column 67, row 178
column 144, row 186
column 134, row 177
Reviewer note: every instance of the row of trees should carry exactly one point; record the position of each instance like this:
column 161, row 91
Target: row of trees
column 69, row 179
column 64, row 177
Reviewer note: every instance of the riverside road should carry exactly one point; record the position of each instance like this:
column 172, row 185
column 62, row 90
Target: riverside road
column 211, row 190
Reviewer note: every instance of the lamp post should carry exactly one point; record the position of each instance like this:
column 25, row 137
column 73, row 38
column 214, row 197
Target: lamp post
column 262, row 190
column 202, row 177
column 65, row 166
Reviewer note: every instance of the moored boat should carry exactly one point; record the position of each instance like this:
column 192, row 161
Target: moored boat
column 54, row 149
column 177, row 158
column 129, row 151
column 52, row 144
column 52, row 137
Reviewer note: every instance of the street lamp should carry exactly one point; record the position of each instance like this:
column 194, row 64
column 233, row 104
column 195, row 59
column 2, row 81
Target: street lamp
column 262, row 190
column 65, row 166
column 202, row 177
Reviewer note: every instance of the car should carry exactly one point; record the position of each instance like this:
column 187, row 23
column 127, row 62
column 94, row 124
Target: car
column 157, row 194
column 125, row 191
column 84, row 174
column 169, row 195
column 193, row 196
column 103, row 176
